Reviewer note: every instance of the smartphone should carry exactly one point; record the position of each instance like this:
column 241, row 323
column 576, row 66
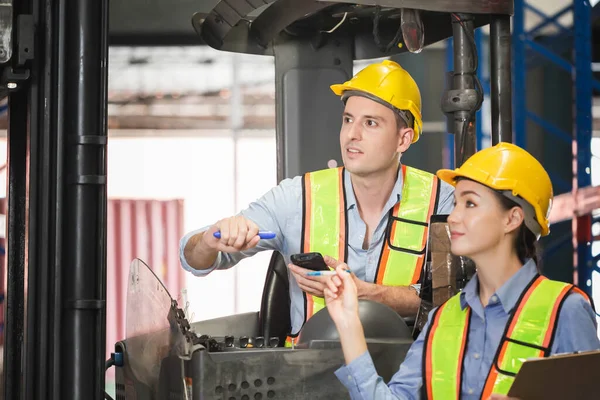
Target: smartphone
column 312, row 261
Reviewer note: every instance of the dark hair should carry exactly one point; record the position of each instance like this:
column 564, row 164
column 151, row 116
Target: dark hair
column 400, row 123
column 526, row 242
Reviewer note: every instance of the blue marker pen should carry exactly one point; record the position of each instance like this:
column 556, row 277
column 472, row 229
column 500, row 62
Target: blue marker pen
column 324, row 273
column 261, row 234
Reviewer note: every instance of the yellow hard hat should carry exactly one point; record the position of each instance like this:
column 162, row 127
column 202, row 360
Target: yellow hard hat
column 390, row 83
column 507, row 167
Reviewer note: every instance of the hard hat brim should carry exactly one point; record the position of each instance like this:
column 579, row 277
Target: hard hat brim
column 449, row 176
column 339, row 89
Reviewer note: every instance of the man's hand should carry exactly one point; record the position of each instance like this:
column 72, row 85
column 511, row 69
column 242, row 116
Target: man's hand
column 402, row 299
column 237, row 234
column 312, row 285
column 361, row 286
column 501, row 397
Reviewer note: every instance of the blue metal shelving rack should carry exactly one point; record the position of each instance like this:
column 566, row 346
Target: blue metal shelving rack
column 524, row 46
column 527, row 51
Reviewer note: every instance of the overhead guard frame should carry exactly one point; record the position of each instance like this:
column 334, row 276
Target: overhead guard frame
column 251, row 26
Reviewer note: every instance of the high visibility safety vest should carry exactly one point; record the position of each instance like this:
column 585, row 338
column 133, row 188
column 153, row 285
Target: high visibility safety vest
column 529, row 333
column 325, row 226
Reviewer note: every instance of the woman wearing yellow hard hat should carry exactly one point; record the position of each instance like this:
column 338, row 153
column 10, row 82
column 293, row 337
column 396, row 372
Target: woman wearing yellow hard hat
column 474, row 344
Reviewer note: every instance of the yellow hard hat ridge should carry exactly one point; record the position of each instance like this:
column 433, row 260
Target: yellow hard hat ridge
column 392, row 84
column 507, row 167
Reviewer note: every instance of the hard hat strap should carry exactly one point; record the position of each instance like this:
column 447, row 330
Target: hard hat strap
column 530, row 220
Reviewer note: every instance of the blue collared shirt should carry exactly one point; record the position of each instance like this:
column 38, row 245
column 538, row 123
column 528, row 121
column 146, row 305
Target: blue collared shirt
column 576, row 331
column 280, row 211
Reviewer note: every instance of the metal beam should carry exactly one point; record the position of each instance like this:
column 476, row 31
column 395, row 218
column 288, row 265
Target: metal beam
column 465, row 140
column 459, row 6
column 550, row 20
column 520, row 75
column 16, row 297
column 58, row 126
column 583, row 133
column 501, row 82
column 155, row 22
column 450, row 138
column 179, row 123
column 16, row 230
column 84, row 189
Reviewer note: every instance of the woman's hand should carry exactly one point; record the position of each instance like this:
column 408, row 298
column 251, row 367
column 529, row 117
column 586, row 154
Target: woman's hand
column 342, row 303
column 501, row 397
column 341, row 295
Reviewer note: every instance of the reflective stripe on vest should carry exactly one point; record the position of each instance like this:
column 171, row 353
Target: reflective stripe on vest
column 529, row 333
column 325, row 225
column 403, row 253
column 325, row 222
column 444, row 351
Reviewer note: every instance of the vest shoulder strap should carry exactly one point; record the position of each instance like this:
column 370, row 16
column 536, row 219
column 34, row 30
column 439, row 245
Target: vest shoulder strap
column 529, row 333
column 444, row 349
column 403, row 253
column 324, row 225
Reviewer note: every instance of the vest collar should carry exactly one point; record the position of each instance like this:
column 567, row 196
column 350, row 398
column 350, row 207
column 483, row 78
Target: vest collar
column 395, row 196
column 508, row 294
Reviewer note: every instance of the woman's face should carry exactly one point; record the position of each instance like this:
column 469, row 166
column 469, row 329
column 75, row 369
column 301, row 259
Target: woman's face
column 479, row 222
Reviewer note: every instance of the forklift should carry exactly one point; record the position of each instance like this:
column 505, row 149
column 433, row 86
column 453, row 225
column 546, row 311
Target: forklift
column 314, row 43
column 53, row 62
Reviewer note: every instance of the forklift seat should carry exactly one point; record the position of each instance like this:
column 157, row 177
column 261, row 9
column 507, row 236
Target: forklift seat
column 274, row 316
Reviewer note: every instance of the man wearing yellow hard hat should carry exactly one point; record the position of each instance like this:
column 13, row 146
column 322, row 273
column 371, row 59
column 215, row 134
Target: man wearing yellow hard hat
column 372, row 213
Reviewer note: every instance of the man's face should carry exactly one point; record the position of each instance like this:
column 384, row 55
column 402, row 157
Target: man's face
column 370, row 139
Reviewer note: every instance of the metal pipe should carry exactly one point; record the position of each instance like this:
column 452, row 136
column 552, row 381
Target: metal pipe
column 465, row 141
column 102, row 209
column 236, row 121
column 450, row 138
column 84, row 231
column 42, row 321
column 58, row 206
column 501, row 81
column 16, row 231
column 479, row 128
column 17, row 193
column 520, row 74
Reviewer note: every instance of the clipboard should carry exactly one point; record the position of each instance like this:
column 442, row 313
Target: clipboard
column 573, row 376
